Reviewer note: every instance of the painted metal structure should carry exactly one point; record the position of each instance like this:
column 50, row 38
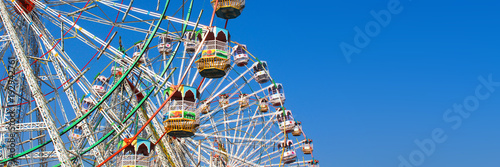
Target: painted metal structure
column 80, row 95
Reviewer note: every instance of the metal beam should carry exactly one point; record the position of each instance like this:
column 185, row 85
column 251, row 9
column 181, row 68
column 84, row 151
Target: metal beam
column 60, row 150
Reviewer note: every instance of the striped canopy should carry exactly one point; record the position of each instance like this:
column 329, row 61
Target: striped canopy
column 183, row 93
column 138, row 146
column 216, row 33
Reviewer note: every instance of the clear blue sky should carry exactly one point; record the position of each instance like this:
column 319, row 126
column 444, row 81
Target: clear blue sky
column 368, row 112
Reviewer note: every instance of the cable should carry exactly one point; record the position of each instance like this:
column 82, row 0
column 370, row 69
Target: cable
column 137, row 59
column 50, row 140
column 56, row 45
column 282, row 106
column 165, row 102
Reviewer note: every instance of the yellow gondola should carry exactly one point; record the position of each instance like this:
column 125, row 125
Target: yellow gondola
column 228, row 9
column 214, row 60
column 181, row 115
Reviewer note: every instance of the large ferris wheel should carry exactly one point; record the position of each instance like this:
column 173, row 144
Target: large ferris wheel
column 138, row 83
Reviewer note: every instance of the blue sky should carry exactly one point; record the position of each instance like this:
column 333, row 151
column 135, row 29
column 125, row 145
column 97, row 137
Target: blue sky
column 370, row 111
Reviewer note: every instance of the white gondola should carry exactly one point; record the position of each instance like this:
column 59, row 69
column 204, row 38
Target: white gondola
column 263, row 105
column 240, row 55
column 297, row 130
column 285, row 122
column 164, row 44
column 307, row 147
column 190, row 42
column 223, row 100
column 243, row 101
column 289, row 156
column 87, row 104
column 137, row 52
column 205, row 108
column 99, row 85
column 261, row 72
column 277, row 95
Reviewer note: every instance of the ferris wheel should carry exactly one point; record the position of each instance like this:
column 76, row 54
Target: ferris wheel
column 139, row 83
